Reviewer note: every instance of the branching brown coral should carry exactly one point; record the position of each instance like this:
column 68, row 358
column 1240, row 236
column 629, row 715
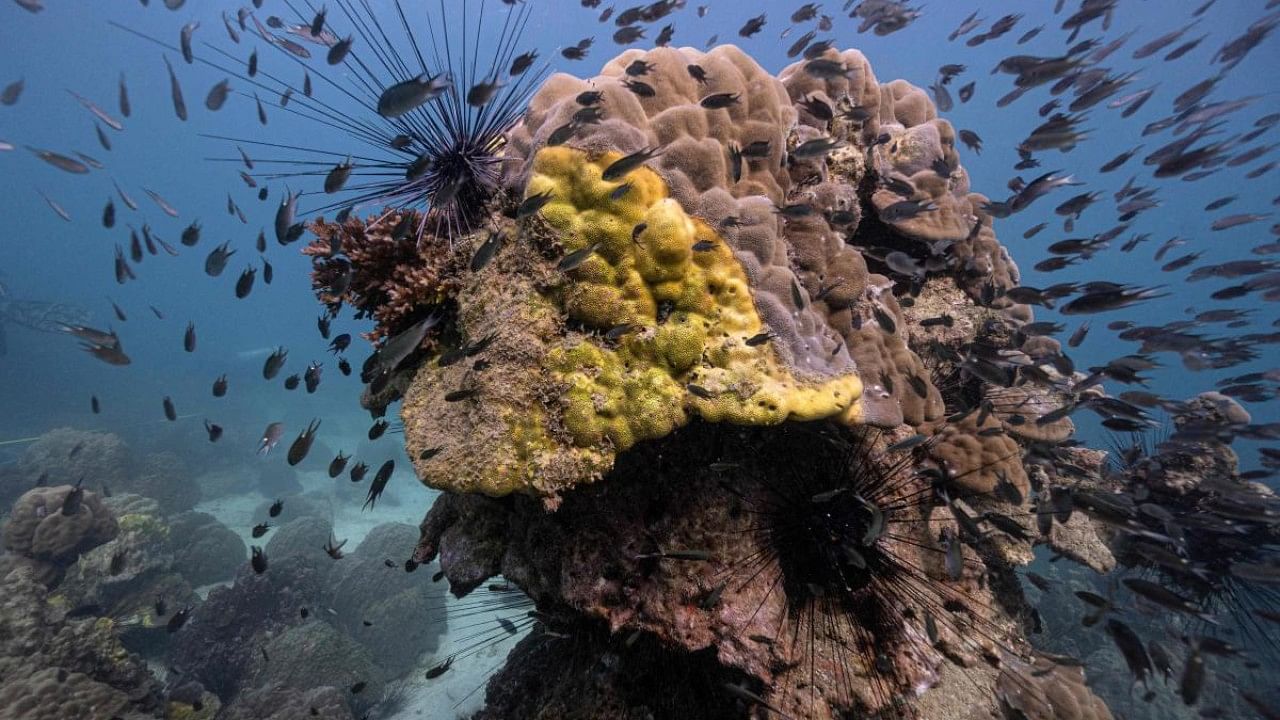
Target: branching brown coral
column 380, row 272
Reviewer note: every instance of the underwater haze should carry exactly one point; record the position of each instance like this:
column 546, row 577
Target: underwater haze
column 580, row 359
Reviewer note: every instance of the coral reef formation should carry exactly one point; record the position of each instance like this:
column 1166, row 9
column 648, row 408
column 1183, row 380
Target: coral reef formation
column 57, row 665
column 104, row 463
column 715, row 306
column 311, row 621
column 50, row 527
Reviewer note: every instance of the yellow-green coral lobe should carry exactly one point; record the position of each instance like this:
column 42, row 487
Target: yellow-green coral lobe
column 639, row 388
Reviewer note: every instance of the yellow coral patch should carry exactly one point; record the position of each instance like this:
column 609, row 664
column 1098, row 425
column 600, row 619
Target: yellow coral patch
column 690, row 306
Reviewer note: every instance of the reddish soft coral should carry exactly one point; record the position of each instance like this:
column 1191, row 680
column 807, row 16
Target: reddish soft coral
column 381, row 276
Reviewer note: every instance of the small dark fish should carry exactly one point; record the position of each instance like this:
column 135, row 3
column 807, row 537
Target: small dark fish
column 522, row 62
column 338, row 464
column 339, row 50
column 907, row 443
column 169, row 412
column 184, row 40
column 338, row 176
column 103, row 140
column 1131, row 648
column 752, row 26
column 274, row 362
column 1192, row 681
column 175, row 92
column 440, row 669
column 276, row 507
column 460, row 395
column 214, row 430
column 302, row 445
column 220, row 386
column 718, row 101
column 575, row 259
column 825, row 69
column 760, row 339
column 481, row 93
column 358, row 472
column 123, row 94
column 486, row 251
column 561, row 135
column 817, row 147
column 971, row 140
column 260, row 529
column 71, row 503
column 403, row 97
column 379, row 484
column 259, row 560
column 1077, row 337
column 178, row 619
column 93, row 404
column 378, row 429
column 244, row 284
column 12, row 92
column 311, row 377
column 216, row 261
column 621, row 167
column 533, row 204
column 189, row 338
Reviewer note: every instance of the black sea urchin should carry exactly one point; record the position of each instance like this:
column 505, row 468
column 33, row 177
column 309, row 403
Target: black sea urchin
column 427, row 98
column 872, row 568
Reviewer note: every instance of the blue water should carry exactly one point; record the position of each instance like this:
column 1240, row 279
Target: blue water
column 71, row 46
